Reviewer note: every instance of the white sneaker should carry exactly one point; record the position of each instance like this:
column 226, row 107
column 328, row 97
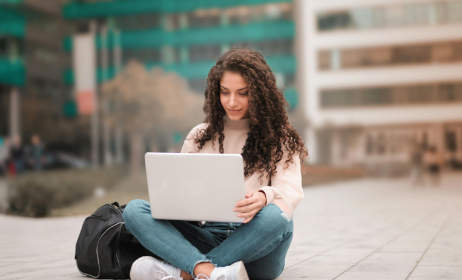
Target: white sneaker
column 149, row 268
column 236, row 271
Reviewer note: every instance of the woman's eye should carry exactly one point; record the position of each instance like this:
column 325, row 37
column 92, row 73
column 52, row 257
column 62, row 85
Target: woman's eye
column 244, row 94
column 223, row 92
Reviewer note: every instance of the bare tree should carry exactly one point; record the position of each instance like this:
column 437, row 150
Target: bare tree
column 149, row 103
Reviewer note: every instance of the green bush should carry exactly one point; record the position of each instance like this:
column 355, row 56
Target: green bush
column 34, row 194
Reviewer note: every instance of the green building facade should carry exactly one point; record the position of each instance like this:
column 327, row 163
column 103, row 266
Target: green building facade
column 188, row 36
column 183, row 36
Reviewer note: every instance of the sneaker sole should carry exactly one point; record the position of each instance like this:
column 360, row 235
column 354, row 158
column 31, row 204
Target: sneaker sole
column 139, row 260
column 241, row 271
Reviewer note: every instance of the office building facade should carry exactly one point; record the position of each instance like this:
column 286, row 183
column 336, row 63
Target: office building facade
column 381, row 77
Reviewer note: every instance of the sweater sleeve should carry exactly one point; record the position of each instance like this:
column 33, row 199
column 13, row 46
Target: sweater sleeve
column 286, row 184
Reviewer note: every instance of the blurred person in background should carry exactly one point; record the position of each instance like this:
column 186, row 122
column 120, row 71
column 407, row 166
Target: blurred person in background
column 3, row 156
column 17, row 154
column 417, row 170
column 433, row 163
column 245, row 114
column 36, row 153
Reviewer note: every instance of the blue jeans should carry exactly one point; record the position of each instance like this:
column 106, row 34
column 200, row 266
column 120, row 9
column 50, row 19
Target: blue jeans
column 260, row 244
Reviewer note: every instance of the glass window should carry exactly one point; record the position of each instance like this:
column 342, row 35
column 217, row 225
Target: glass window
column 381, row 144
column 3, row 46
column 412, row 14
column 275, row 47
column 336, row 20
column 397, row 95
column 444, row 52
column 451, row 141
column 454, row 11
column 369, row 144
column 412, row 54
column 137, row 22
column 204, row 18
column 204, row 52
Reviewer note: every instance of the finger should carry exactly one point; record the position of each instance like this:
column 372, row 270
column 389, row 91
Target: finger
column 244, row 202
column 241, row 202
column 254, row 203
column 247, row 214
column 245, row 209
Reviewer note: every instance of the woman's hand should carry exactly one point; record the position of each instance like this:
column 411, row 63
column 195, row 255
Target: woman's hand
column 249, row 207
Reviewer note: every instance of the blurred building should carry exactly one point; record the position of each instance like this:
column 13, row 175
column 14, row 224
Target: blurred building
column 381, row 77
column 32, row 62
column 187, row 36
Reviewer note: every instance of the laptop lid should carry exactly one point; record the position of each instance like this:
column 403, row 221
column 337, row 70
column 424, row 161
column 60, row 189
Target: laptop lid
column 195, row 187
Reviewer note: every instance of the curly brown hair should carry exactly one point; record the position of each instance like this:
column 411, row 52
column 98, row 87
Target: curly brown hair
column 269, row 126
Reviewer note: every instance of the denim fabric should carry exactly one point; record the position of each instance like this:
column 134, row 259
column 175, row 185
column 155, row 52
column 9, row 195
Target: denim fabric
column 261, row 244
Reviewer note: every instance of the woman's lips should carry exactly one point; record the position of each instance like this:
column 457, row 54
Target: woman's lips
column 234, row 111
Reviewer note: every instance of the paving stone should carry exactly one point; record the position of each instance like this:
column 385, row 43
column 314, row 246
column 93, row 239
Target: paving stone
column 425, row 272
column 364, row 229
column 383, row 266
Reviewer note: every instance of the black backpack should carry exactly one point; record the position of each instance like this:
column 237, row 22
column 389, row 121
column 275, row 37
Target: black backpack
column 105, row 249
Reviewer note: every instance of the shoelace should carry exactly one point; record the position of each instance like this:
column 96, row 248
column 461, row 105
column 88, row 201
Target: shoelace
column 206, row 277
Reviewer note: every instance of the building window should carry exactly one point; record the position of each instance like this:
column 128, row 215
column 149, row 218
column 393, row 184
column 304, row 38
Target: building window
column 381, row 144
column 394, row 95
column 141, row 55
column 451, row 141
column 204, row 52
column 204, row 18
column 3, row 47
column 275, row 47
column 411, row 14
column 444, row 52
column 137, row 22
column 369, row 144
column 260, row 13
column 43, row 55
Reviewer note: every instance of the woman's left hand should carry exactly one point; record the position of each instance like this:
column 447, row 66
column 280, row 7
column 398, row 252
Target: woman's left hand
column 249, row 207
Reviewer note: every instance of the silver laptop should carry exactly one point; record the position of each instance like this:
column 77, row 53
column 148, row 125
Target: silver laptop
column 195, row 187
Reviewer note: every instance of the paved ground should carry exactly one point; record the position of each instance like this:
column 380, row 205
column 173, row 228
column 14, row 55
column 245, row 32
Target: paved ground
column 365, row 229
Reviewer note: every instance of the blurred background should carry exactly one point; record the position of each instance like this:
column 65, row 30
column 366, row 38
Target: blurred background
column 87, row 87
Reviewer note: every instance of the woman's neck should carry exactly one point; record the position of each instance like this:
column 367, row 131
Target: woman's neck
column 242, row 124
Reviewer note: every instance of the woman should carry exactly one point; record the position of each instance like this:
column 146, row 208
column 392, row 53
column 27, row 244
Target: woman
column 245, row 114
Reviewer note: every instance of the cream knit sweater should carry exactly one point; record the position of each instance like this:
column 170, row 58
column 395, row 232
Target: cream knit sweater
column 286, row 184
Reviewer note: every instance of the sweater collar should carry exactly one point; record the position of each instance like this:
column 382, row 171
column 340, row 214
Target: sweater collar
column 242, row 124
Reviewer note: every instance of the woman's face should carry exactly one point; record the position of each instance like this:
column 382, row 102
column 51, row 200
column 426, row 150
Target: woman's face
column 234, row 96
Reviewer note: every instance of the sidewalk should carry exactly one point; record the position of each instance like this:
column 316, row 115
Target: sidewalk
column 365, row 229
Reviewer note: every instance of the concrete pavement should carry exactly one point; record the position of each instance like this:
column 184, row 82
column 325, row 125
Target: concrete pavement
column 364, row 229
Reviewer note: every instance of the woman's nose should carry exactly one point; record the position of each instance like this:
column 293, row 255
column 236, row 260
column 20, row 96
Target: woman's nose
column 233, row 100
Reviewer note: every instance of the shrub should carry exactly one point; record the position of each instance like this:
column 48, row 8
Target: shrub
column 34, row 194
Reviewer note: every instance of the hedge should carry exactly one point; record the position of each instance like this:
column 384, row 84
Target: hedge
column 34, row 194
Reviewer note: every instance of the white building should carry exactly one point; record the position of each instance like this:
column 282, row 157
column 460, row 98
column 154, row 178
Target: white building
column 379, row 75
